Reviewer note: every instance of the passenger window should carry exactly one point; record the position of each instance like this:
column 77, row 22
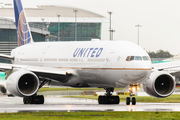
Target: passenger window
column 132, row 58
column 138, row 58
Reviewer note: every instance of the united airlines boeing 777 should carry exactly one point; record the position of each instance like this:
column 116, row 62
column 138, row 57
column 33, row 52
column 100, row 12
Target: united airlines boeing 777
column 102, row 64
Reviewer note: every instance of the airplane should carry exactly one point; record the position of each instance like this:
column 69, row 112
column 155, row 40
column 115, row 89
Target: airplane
column 102, row 64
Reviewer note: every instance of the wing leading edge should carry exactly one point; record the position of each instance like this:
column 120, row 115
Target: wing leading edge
column 171, row 67
column 6, row 57
column 46, row 72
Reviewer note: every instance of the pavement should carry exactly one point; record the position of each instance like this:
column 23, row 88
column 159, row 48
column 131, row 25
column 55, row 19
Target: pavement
column 59, row 103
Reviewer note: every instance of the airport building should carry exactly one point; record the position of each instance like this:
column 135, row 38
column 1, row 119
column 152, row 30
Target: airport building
column 50, row 23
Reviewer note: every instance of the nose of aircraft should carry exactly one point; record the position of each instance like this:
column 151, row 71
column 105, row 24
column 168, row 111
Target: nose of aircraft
column 141, row 72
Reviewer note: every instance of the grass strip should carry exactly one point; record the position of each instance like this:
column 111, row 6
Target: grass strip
column 170, row 99
column 91, row 115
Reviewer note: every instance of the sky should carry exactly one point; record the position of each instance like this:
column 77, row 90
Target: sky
column 160, row 20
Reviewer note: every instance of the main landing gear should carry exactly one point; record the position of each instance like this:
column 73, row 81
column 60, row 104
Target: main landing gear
column 132, row 88
column 108, row 98
column 36, row 99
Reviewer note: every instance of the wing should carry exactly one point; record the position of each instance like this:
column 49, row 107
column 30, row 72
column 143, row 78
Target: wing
column 6, row 57
column 171, row 67
column 57, row 74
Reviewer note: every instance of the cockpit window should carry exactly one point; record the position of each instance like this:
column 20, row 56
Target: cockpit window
column 145, row 58
column 132, row 58
column 138, row 58
column 128, row 58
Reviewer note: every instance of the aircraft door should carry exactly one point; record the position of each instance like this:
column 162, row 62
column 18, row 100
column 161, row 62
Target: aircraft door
column 42, row 55
column 109, row 60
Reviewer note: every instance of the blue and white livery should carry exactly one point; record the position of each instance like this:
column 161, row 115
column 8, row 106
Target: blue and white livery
column 22, row 27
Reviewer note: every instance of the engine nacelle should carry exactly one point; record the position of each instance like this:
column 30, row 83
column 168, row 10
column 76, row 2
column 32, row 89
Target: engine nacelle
column 160, row 84
column 22, row 83
column 3, row 90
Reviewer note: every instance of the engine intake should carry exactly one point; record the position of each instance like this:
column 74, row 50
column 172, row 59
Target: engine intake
column 22, row 83
column 27, row 83
column 163, row 84
column 160, row 84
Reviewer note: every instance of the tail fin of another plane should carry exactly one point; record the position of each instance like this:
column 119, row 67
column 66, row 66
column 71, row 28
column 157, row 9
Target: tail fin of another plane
column 22, row 27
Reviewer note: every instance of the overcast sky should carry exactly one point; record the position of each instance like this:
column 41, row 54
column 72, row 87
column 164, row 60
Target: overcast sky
column 160, row 19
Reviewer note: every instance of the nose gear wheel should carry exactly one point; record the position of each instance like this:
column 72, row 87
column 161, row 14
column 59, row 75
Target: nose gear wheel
column 132, row 99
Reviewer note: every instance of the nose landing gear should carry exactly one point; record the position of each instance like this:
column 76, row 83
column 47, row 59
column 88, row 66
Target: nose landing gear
column 130, row 99
column 132, row 89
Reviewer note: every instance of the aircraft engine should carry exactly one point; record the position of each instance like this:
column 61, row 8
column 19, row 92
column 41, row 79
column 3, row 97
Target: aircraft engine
column 22, row 83
column 3, row 90
column 160, row 84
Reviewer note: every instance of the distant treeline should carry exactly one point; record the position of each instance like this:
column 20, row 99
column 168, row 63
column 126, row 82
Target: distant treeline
column 160, row 54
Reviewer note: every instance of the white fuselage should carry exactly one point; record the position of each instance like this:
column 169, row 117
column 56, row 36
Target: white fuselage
column 96, row 63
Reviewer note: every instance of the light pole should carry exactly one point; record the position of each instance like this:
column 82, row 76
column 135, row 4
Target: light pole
column 58, row 26
column 111, row 31
column 138, row 31
column 75, row 11
column 110, row 25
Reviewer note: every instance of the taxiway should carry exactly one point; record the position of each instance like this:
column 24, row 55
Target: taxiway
column 58, row 103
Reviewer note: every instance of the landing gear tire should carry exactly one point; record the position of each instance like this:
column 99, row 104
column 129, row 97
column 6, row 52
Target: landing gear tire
column 128, row 101
column 100, row 100
column 117, row 100
column 133, row 101
column 39, row 99
column 26, row 100
column 108, row 100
